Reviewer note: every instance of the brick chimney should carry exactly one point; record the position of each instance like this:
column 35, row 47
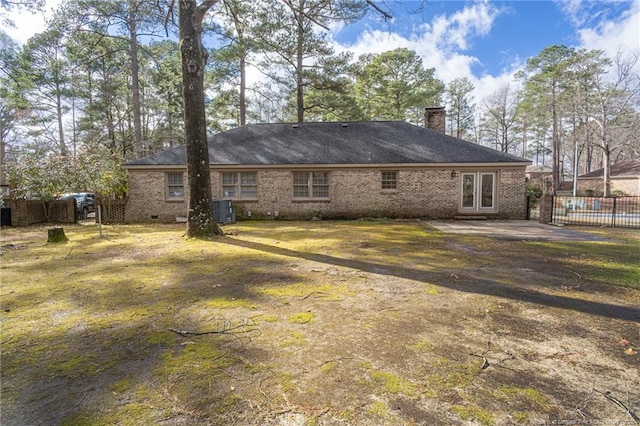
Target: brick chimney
column 434, row 118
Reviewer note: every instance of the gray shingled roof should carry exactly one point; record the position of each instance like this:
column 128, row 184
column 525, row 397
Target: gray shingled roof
column 624, row 169
column 370, row 142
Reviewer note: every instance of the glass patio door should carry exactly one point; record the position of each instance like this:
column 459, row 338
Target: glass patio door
column 478, row 192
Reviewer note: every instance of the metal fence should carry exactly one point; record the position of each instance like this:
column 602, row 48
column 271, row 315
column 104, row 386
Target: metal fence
column 533, row 208
column 623, row 212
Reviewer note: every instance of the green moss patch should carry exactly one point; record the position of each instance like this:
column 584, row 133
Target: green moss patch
column 522, row 398
column 473, row 413
column 378, row 409
column 328, row 292
column 302, row 317
column 394, row 384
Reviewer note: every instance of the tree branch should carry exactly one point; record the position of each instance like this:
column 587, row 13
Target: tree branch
column 385, row 15
column 201, row 10
column 306, row 15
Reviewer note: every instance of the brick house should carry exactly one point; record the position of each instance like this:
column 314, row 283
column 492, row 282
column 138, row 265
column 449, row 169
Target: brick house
column 623, row 177
column 336, row 170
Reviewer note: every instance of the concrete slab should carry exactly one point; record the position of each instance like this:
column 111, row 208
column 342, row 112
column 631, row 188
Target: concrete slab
column 513, row 230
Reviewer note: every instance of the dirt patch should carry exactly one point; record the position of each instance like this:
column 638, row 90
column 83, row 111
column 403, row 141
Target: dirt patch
column 318, row 323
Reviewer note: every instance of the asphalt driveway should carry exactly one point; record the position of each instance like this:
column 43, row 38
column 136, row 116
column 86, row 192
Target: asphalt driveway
column 514, row 230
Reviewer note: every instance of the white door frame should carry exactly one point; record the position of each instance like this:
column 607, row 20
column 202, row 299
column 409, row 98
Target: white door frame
column 478, row 192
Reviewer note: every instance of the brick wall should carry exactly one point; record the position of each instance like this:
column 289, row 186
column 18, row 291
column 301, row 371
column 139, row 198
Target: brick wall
column 147, row 198
column 354, row 193
column 546, row 208
column 512, row 199
column 628, row 186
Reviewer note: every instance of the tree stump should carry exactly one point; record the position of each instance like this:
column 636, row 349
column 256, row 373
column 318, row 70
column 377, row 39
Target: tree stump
column 56, row 235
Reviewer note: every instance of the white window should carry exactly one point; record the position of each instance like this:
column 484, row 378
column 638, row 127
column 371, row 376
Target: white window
column 389, row 180
column 311, row 185
column 175, row 185
column 240, row 184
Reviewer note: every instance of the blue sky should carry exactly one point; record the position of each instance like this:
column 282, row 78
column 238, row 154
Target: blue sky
column 485, row 41
column 488, row 41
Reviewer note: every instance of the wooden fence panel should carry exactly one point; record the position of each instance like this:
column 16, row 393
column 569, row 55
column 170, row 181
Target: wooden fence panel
column 111, row 211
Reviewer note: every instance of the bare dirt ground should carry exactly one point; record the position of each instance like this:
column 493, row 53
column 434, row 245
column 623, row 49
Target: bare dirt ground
column 321, row 323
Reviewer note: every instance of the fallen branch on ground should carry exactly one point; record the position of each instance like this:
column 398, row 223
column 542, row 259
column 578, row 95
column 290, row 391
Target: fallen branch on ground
column 620, row 404
column 339, row 360
column 485, row 362
column 244, row 328
column 317, row 294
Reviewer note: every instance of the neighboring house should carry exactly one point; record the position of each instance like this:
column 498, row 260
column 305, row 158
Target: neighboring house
column 623, row 177
column 539, row 176
column 538, row 172
column 336, row 170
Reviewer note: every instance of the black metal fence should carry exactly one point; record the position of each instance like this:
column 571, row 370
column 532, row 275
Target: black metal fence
column 623, row 212
column 533, row 208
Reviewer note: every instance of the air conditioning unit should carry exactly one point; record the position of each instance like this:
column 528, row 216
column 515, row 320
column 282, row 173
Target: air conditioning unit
column 223, row 211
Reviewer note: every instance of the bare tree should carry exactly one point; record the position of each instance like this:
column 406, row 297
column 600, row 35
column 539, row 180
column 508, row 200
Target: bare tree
column 499, row 119
column 615, row 110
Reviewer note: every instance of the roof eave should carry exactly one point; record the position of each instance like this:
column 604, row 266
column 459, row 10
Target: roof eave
column 459, row 165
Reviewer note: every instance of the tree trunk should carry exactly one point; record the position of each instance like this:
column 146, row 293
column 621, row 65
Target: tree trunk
column 138, row 146
column 606, row 172
column 3, row 177
column 200, row 220
column 243, row 88
column 61, row 143
column 555, row 180
column 299, row 65
column 234, row 13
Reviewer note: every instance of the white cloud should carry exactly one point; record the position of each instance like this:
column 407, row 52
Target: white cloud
column 487, row 85
column 457, row 30
column 613, row 35
column 374, row 42
column 28, row 24
column 441, row 44
column 575, row 10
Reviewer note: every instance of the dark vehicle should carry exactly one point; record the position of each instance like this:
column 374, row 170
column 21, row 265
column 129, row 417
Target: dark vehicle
column 85, row 203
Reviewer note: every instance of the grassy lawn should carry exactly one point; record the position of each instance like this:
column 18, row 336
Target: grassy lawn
column 363, row 322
